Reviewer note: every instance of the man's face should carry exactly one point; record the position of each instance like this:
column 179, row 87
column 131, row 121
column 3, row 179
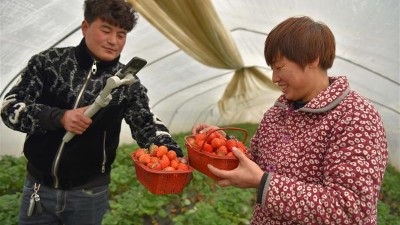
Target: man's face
column 105, row 41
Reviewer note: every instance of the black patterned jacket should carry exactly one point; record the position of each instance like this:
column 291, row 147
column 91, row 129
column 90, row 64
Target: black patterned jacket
column 59, row 79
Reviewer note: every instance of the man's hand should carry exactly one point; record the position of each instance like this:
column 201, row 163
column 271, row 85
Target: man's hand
column 75, row 121
column 247, row 175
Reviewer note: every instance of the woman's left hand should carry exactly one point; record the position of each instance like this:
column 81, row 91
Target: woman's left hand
column 247, row 175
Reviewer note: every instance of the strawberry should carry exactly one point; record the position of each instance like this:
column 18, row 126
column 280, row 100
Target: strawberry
column 230, row 154
column 222, row 150
column 156, row 166
column 164, row 161
column 200, row 143
column 145, row 158
column 230, row 144
column 154, row 159
column 168, row 168
column 191, row 141
column 208, row 148
column 171, row 154
column 153, row 149
column 183, row 166
column 241, row 146
column 200, row 137
column 210, row 137
column 139, row 152
column 218, row 135
column 224, row 140
column 162, row 150
column 174, row 163
column 216, row 143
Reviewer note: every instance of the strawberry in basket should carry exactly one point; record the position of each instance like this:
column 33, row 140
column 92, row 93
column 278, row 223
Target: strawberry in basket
column 216, row 143
column 160, row 171
column 214, row 148
column 160, row 158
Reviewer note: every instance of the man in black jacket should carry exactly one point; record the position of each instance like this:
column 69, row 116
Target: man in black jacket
column 67, row 183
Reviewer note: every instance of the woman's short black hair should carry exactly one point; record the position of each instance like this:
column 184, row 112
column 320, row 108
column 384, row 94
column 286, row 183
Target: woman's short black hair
column 301, row 40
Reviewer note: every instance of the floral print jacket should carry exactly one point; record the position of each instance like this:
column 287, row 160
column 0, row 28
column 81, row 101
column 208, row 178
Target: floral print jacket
column 325, row 160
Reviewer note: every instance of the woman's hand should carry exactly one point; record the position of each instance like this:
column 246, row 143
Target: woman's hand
column 247, row 175
column 202, row 128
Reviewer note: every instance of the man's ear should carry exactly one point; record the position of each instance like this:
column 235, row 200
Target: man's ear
column 84, row 27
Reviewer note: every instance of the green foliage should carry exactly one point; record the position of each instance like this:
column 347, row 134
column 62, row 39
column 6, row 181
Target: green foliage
column 385, row 217
column 202, row 202
column 12, row 176
column 9, row 206
column 390, row 193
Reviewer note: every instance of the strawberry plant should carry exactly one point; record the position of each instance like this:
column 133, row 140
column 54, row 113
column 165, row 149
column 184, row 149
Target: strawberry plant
column 201, row 202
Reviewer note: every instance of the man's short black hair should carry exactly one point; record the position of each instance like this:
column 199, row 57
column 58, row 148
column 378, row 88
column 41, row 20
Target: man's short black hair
column 116, row 12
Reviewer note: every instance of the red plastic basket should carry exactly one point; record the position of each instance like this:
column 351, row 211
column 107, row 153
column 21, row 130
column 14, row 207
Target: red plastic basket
column 199, row 159
column 162, row 182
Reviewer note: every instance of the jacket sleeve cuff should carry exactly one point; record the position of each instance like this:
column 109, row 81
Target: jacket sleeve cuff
column 263, row 188
column 50, row 118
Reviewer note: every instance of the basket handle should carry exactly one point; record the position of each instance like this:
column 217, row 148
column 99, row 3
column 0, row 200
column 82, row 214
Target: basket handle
column 223, row 128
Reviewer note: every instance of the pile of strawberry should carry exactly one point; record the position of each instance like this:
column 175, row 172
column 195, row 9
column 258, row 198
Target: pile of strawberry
column 161, row 158
column 215, row 143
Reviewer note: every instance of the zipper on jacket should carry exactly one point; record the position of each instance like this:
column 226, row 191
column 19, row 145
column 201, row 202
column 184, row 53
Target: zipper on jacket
column 103, row 165
column 92, row 71
column 56, row 162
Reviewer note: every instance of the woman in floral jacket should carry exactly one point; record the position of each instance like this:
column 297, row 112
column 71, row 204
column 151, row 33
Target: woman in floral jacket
column 319, row 154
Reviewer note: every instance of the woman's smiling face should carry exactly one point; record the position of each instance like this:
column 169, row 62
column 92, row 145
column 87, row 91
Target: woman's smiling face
column 296, row 83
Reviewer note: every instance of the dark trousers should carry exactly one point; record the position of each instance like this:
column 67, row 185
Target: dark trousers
column 68, row 207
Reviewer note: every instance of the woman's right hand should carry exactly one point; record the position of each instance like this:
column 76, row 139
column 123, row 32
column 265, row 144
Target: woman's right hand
column 247, row 175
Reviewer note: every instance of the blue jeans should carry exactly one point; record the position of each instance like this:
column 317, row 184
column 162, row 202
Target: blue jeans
column 68, row 207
